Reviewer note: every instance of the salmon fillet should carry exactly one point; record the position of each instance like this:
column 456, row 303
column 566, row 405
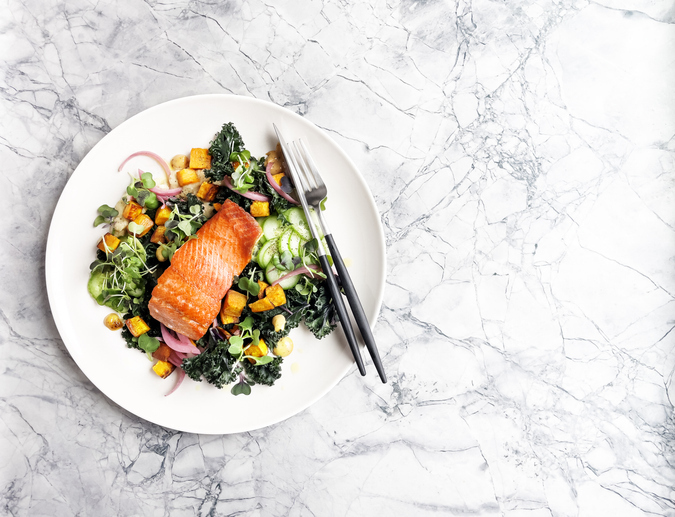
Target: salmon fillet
column 188, row 295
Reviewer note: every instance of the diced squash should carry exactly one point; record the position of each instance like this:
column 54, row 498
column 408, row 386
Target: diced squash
column 137, row 326
column 260, row 208
column 162, row 215
column 217, row 206
column 277, row 177
column 258, row 350
column 207, row 191
column 162, row 353
column 158, row 235
column 200, row 159
column 109, row 241
column 163, row 369
column 180, row 161
column 145, row 222
column 261, row 305
column 233, row 305
column 132, row 210
column 276, row 295
column 186, row 177
column 263, row 286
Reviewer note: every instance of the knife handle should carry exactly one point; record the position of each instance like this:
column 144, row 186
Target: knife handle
column 339, row 305
column 357, row 308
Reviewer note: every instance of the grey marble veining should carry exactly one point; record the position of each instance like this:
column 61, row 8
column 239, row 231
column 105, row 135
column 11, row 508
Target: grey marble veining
column 521, row 156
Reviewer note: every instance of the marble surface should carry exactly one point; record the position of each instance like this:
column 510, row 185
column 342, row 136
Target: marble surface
column 521, row 156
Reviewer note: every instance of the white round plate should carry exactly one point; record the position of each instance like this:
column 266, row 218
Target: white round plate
column 125, row 375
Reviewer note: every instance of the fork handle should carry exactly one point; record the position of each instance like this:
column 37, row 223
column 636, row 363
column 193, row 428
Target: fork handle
column 357, row 308
column 342, row 313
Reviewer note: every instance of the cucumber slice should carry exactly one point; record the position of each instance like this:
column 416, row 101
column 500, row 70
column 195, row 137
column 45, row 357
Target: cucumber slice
column 267, row 251
column 96, row 283
column 272, row 274
column 297, row 218
column 291, row 242
column 271, row 227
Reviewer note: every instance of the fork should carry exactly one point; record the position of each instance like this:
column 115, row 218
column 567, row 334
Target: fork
column 338, row 303
column 315, row 191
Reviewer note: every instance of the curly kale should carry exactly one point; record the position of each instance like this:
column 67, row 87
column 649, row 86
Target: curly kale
column 226, row 142
column 266, row 374
column 215, row 364
column 316, row 310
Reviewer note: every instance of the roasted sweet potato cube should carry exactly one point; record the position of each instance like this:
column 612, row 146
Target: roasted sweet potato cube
column 180, row 161
column 132, row 210
column 162, row 215
column 261, row 305
column 207, row 191
column 137, row 326
column 200, row 159
column 233, row 304
column 145, row 222
column 217, row 206
column 260, row 208
column 108, row 241
column 158, row 235
column 186, row 177
column 163, row 369
column 162, row 353
column 277, row 177
column 276, row 295
column 258, row 350
column 263, row 286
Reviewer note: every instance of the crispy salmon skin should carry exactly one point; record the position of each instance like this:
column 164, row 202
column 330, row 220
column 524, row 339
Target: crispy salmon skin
column 188, row 295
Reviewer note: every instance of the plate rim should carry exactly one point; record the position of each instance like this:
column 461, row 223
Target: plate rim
column 380, row 281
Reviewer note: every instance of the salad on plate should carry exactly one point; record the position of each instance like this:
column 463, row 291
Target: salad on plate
column 208, row 268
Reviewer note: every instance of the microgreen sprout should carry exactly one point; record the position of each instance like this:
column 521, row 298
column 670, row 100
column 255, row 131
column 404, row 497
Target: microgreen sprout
column 106, row 213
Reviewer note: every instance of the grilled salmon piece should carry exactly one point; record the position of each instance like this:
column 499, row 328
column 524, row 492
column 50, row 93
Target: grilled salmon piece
column 188, row 295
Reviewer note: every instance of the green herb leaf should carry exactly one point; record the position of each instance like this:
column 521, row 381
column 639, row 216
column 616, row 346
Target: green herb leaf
column 241, row 388
column 147, row 180
column 236, row 345
column 147, row 343
column 99, row 220
column 135, row 228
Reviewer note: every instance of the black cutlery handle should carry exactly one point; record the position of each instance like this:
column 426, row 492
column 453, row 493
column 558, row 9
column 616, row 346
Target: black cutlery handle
column 342, row 313
column 357, row 308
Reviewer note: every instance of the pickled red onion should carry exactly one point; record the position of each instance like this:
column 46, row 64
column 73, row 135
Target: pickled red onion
column 300, row 271
column 180, row 343
column 155, row 157
column 162, row 193
column 255, row 196
column 276, row 186
column 179, row 380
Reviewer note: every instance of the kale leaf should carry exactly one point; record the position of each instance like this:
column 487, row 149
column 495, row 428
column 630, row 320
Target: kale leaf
column 214, row 363
column 264, row 373
column 226, row 142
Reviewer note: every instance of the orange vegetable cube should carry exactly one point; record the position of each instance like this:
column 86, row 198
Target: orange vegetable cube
column 163, row 369
column 207, row 191
column 132, row 210
column 186, row 177
column 200, row 159
column 137, row 326
column 263, row 286
column 162, row 215
column 158, row 235
column 233, row 305
column 145, row 222
column 277, row 177
column 217, row 206
column 258, row 350
column 261, row 305
column 108, row 241
column 260, row 208
column 162, row 353
column 276, row 295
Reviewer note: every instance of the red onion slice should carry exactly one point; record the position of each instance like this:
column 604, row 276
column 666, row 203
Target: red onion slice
column 179, row 380
column 180, row 343
column 162, row 193
column 300, row 271
column 155, row 157
column 255, row 196
column 277, row 188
